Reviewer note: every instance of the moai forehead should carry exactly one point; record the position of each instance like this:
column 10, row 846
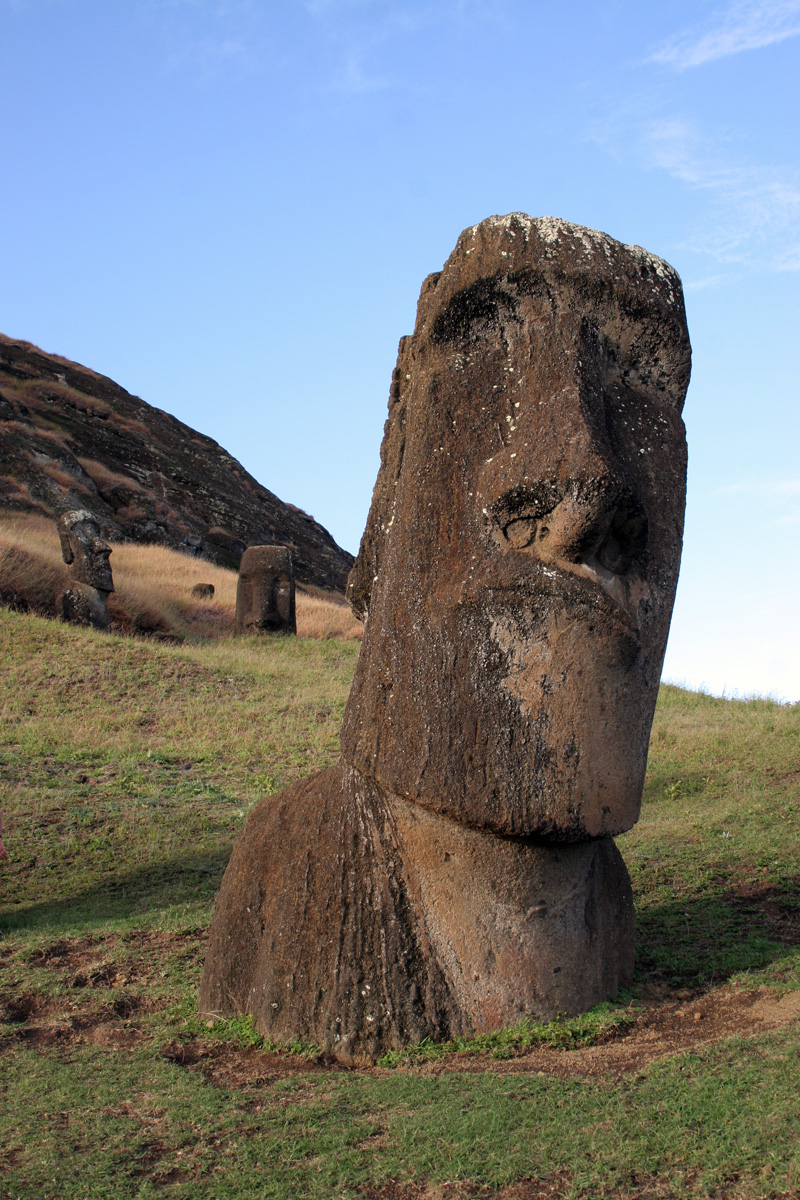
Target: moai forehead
column 85, row 550
column 520, row 559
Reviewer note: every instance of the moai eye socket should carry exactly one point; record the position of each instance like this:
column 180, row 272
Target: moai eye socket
column 625, row 539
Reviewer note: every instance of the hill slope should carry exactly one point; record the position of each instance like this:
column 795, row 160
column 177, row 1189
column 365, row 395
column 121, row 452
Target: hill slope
column 127, row 768
column 70, row 438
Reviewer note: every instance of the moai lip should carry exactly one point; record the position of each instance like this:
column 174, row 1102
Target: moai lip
column 456, row 870
column 265, row 596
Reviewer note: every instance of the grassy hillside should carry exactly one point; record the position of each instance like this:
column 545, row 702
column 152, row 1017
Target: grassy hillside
column 70, row 438
column 127, row 768
column 153, row 588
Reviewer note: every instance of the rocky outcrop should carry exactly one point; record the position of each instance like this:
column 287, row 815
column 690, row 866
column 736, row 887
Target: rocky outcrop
column 72, row 439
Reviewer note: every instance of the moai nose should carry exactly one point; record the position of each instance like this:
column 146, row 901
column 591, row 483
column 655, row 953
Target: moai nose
column 556, row 491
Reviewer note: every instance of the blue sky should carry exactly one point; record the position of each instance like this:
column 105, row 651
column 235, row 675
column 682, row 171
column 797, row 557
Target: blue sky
column 229, row 206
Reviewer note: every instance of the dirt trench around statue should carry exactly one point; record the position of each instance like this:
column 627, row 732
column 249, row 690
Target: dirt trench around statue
column 107, row 996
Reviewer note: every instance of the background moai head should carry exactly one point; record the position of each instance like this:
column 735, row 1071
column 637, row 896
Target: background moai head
column 84, row 549
column 520, row 559
column 265, row 592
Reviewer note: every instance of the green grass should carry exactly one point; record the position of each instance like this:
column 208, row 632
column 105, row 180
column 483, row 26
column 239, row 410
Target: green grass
column 127, row 768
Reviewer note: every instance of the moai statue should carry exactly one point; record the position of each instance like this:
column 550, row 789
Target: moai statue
column 265, row 592
column 86, row 553
column 456, row 871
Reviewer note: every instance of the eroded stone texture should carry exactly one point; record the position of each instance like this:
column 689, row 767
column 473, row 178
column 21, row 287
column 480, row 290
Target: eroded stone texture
column 363, row 923
column 265, row 592
column 86, row 553
column 517, row 573
column 521, row 555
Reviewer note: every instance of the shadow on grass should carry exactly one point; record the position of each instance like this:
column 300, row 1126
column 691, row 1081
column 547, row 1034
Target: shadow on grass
column 187, row 879
column 697, row 942
column 706, row 940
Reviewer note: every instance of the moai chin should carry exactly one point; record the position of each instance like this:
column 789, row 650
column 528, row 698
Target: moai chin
column 456, row 871
column 86, row 553
column 265, row 592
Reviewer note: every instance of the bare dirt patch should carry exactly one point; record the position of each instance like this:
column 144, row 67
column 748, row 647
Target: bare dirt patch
column 115, row 961
column 80, row 1011
column 666, row 1027
column 231, row 1066
column 777, row 908
column 549, row 1188
column 74, row 1008
column 670, row 1024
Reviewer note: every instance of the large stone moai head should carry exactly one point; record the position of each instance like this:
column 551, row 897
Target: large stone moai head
column 86, row 553
column 520, row 559
column 265, row 593
column 85, row 550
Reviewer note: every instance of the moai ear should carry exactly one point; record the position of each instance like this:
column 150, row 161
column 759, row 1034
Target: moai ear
column 63, row 534
column 381, row 514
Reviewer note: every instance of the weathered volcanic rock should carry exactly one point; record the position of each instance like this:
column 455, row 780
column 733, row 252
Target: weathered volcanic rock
column 521, row 555
column 364, row 923
column 70, row 438
column 517, row 574
column 80, row 604
column 265, row 591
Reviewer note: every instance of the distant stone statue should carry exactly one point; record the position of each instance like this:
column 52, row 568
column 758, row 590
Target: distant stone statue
column 86, row 553
column 265, row 592
column 456, row 870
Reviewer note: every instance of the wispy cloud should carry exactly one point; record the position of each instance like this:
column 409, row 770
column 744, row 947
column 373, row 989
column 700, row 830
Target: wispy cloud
column 778, row 500
column 756, row 208
column 361, row 30
column 212, row 55
column 753, row 213
column 747, row 25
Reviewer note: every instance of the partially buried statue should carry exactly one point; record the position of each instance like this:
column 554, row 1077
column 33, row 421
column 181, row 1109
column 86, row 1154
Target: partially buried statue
column 86, row 553
column 456, row 870
column 265, row 601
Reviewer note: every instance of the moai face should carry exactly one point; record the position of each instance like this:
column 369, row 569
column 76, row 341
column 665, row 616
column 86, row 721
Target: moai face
column 520, row 560
column 84, row 550
column 265, row 593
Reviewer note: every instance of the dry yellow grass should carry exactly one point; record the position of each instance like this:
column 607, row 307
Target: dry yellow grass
column 153, row 587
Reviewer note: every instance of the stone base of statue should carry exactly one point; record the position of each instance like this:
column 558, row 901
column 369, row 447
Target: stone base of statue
column 81, row 604
column 358, row 921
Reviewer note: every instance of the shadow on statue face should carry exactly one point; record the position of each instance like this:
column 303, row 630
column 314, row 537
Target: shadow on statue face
column 519, row 618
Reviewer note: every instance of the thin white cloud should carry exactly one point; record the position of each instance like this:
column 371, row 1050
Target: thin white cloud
column 361, row 30
column 754, row 210
column 776, row 489
column 211, row 56
column 777, row 500
column 702, row 285
column 747, row 25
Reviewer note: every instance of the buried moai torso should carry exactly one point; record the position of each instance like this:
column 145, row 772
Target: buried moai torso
column 265, row 593
column 517, row 575
column 86, row 553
